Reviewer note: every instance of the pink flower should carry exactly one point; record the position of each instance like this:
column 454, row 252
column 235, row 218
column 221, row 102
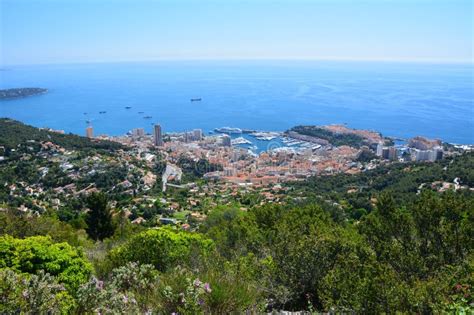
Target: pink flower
column 197, row 283
column 207, row 287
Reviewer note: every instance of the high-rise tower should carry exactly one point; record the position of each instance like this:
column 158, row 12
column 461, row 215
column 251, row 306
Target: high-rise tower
column 158, row 136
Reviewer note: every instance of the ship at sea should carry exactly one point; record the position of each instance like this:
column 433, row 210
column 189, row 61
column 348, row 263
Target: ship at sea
column 196, row 99
column 128, row 107
column 147, row 117
column 228, row 130
column 102, row 112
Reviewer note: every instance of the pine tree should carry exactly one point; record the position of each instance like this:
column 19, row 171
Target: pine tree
column 99, row 219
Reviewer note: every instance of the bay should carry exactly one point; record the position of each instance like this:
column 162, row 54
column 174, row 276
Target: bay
column 397, row 99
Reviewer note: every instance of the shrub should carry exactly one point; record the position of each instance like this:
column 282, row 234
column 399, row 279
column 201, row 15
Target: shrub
column 163, row 248
column 32, row 294
column 36, row 253
column 181, row 292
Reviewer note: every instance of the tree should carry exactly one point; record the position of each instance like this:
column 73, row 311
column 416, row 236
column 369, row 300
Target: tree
column 99, row 219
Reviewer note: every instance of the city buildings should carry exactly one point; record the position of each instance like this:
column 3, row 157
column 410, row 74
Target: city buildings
column 138, row 132
column 226, row 141
column 158, row 137
column 89, row 132
column 388, row 153
column 432, row 155
column 197, row 133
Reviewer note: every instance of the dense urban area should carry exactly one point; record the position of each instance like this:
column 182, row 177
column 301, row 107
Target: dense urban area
column 325, row 219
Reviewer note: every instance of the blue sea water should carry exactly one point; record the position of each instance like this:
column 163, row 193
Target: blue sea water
column 397, row 99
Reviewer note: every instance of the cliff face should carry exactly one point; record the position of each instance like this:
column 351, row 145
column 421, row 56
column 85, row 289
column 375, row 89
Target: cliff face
column 20, row 92
column 422, row 143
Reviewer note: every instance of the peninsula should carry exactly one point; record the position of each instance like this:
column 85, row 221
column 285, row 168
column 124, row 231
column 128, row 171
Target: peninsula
column 20, row 92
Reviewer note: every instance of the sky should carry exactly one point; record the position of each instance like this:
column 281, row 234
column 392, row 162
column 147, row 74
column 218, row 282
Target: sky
column 70, row 31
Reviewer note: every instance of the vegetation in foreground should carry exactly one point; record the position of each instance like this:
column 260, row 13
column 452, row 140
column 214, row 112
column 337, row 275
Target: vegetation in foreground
column 383, row 241
column 416, row 258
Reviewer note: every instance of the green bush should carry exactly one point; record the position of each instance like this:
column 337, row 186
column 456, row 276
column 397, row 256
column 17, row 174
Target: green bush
column 163, row 248
column 33, row 254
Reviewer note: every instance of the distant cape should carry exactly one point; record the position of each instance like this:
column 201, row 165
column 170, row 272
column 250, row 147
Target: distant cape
column 20, row 92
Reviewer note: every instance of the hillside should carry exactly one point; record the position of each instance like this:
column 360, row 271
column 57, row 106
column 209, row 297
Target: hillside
column 336, row 139
column 85, row 227
column 15, row 133
column 402, row 180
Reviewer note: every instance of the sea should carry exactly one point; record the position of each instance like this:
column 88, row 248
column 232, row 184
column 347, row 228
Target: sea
column 397, row 99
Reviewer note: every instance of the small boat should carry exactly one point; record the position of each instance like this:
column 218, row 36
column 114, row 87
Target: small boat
column 147, row 117
column 196, row 99
column 102, row 112
column 88, row 121
column 141, row 112
column 128, row 107
column 85, row 113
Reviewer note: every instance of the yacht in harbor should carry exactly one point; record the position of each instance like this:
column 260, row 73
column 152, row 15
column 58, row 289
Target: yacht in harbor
column 240, row 140
column 229, row 130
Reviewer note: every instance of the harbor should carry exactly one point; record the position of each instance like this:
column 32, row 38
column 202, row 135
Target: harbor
column 262, row 141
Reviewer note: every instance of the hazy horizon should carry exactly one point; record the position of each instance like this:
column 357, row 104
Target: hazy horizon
column 60, row 32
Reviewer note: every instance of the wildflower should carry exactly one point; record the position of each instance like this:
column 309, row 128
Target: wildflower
column 197, row 283
column 183, row 300
column 99, row 285
column 207, row 287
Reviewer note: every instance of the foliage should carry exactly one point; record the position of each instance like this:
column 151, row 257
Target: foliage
column 181, row 294
column 164, row 248
column 34, row 294
column 99, row 219
column 391, row 260
column 21, row 225
column 129, row 289
column 234, row 283
column 94, row 297
column 366, row 155
column 38, row 253
column 402, row 180
column 15, row 133
column 337, row 139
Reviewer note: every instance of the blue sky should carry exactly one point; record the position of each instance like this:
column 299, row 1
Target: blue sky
column 63, row 31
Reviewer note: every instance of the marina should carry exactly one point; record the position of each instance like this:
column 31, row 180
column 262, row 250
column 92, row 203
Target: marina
column 262, row 141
